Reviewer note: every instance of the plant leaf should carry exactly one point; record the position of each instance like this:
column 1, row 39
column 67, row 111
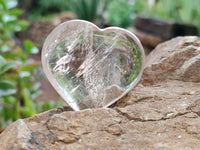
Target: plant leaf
column 2, row 61
column 16, row 12
column 8, row 66
column 6, row 88
column 22, row 24
column 27, row 100
column 29, row 67
column 30, row 47
column 11, row 4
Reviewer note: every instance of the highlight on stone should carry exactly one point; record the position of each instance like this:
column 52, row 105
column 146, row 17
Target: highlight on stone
column 92, row 67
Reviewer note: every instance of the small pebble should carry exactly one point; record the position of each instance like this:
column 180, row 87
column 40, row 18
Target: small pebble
column 192, row 92
column 79, row 141
column 170, row 115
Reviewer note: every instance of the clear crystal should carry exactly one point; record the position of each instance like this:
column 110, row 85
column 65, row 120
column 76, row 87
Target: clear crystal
column 91, row 67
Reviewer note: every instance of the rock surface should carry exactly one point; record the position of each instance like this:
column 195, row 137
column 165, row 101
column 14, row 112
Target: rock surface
column 177, row 59
column 162, row 112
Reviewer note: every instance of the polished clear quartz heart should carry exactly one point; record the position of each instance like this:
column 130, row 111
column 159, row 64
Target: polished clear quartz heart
column 91, row 67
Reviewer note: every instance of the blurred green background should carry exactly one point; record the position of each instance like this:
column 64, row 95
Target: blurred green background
column 20, row 70
column 117, row 12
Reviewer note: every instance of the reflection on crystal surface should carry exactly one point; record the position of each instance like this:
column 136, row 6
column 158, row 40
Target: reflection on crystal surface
column 91, row 68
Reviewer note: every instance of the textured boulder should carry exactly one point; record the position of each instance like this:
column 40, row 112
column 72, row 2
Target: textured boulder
column 162, row 112
column 175, row 59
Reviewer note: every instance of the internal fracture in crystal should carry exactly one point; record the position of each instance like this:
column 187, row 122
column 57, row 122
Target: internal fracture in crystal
column 91, row 67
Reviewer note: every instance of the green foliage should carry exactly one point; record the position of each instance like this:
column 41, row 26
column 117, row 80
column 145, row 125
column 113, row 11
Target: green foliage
column 8, row 19
column 57, row 5
column 30, row 48
column 18, row 86
column 44, row 7
column 85, row 9
column 120, row 13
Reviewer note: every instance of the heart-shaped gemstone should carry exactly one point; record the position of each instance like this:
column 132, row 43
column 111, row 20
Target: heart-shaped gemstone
column 91, row 67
